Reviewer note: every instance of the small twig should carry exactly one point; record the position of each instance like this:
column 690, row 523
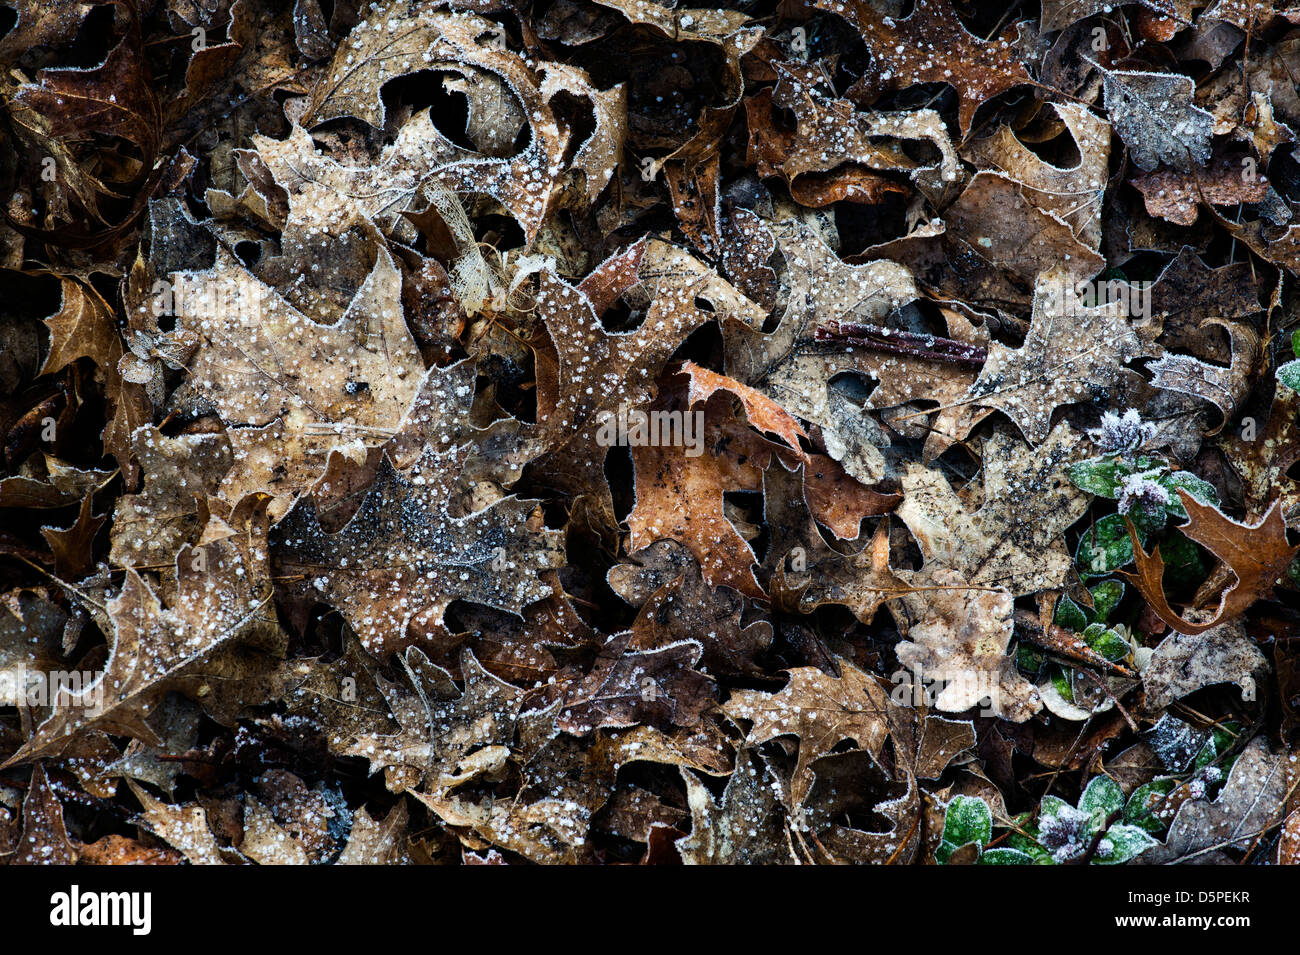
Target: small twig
column 894, row 341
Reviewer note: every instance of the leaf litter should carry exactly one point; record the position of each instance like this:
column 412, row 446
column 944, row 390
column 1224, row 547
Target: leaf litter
column 627, row 433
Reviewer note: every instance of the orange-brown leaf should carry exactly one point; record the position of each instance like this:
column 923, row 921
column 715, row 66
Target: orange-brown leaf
column 1256, row 553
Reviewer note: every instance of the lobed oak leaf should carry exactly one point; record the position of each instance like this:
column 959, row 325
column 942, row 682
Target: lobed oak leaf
column 85, row 327
column 1259, row 794
column 441, row 730
column 1184, row 663
column 586, row 375
column 1187, row 292
column 1154, row 115
column 171, row 510
column 1257, row 554
column 1015, row 539
column 48, row 25
column 959, row 634
column 44, row 839
column 827, row 156
column 1000, row 221
column 805, row 572
column 1262, row 460
column 1071, row 353
column 932, row 45
column 325, row 194
column 744, row 826
column 823, row 288
column 905, row 375
column 403, row 36
column 192, row 644
column 74, row 110
column 185, row 827
column 627, row 686
column 73, row 546
column 821, row 710
column 289, row 389
column 665, row 583
column 1225, row 388
column 1073, row 194
column 1176, row 196
column 600, row 154
column 378, row 841
column 401, row 560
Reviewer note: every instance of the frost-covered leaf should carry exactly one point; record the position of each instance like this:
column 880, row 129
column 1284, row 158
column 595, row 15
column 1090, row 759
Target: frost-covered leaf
column 1071, row 353
column 967, row 820
column 1154, row 115
column 821, row 710
column 906, row 52
column 403, row 558
column 281, row 382
column 1183, row 664
column 211, row 640
column 1257, row 796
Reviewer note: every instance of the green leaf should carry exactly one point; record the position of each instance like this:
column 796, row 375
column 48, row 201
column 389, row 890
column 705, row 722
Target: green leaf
column 1221, row 739
column 1105, row 598
column 1149, row 522
column 1002, row 856
column 1030, row 848
column 1097, row 476
column 1183, row 562
column 1203, row 491
column 1121, row 844
column 1103, row 798
column 969, row 819
column 1070, row 615
column 1051, row 806
column 1145, row 801
column 1104, row 547
column 1029, row 659
column 1109, row 643
column 1061, row 680
column 1289, row 374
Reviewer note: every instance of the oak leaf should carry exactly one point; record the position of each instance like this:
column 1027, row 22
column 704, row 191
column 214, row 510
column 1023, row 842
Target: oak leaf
column 1257, row 554
column 1071, row 353
column 932, row 45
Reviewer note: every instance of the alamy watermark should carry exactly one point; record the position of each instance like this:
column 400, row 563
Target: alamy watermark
column 634, row 428
column 918, row 687
column 199, row 297
column 1134, row 298
column 133, row 910
column 22, row 686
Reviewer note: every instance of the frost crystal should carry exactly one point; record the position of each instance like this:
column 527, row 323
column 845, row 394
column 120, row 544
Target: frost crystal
column 1065, row 834
column 1126, row 432
column 1143, row 491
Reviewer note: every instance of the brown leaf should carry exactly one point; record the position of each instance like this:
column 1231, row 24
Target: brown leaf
column 821, row 710
column 907, row 52
column 1175, row 195
column 1070, row 349
column 189, row 645
column 1257, row 554
column 394, row 568
column 72, row 546
column 44, row 839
